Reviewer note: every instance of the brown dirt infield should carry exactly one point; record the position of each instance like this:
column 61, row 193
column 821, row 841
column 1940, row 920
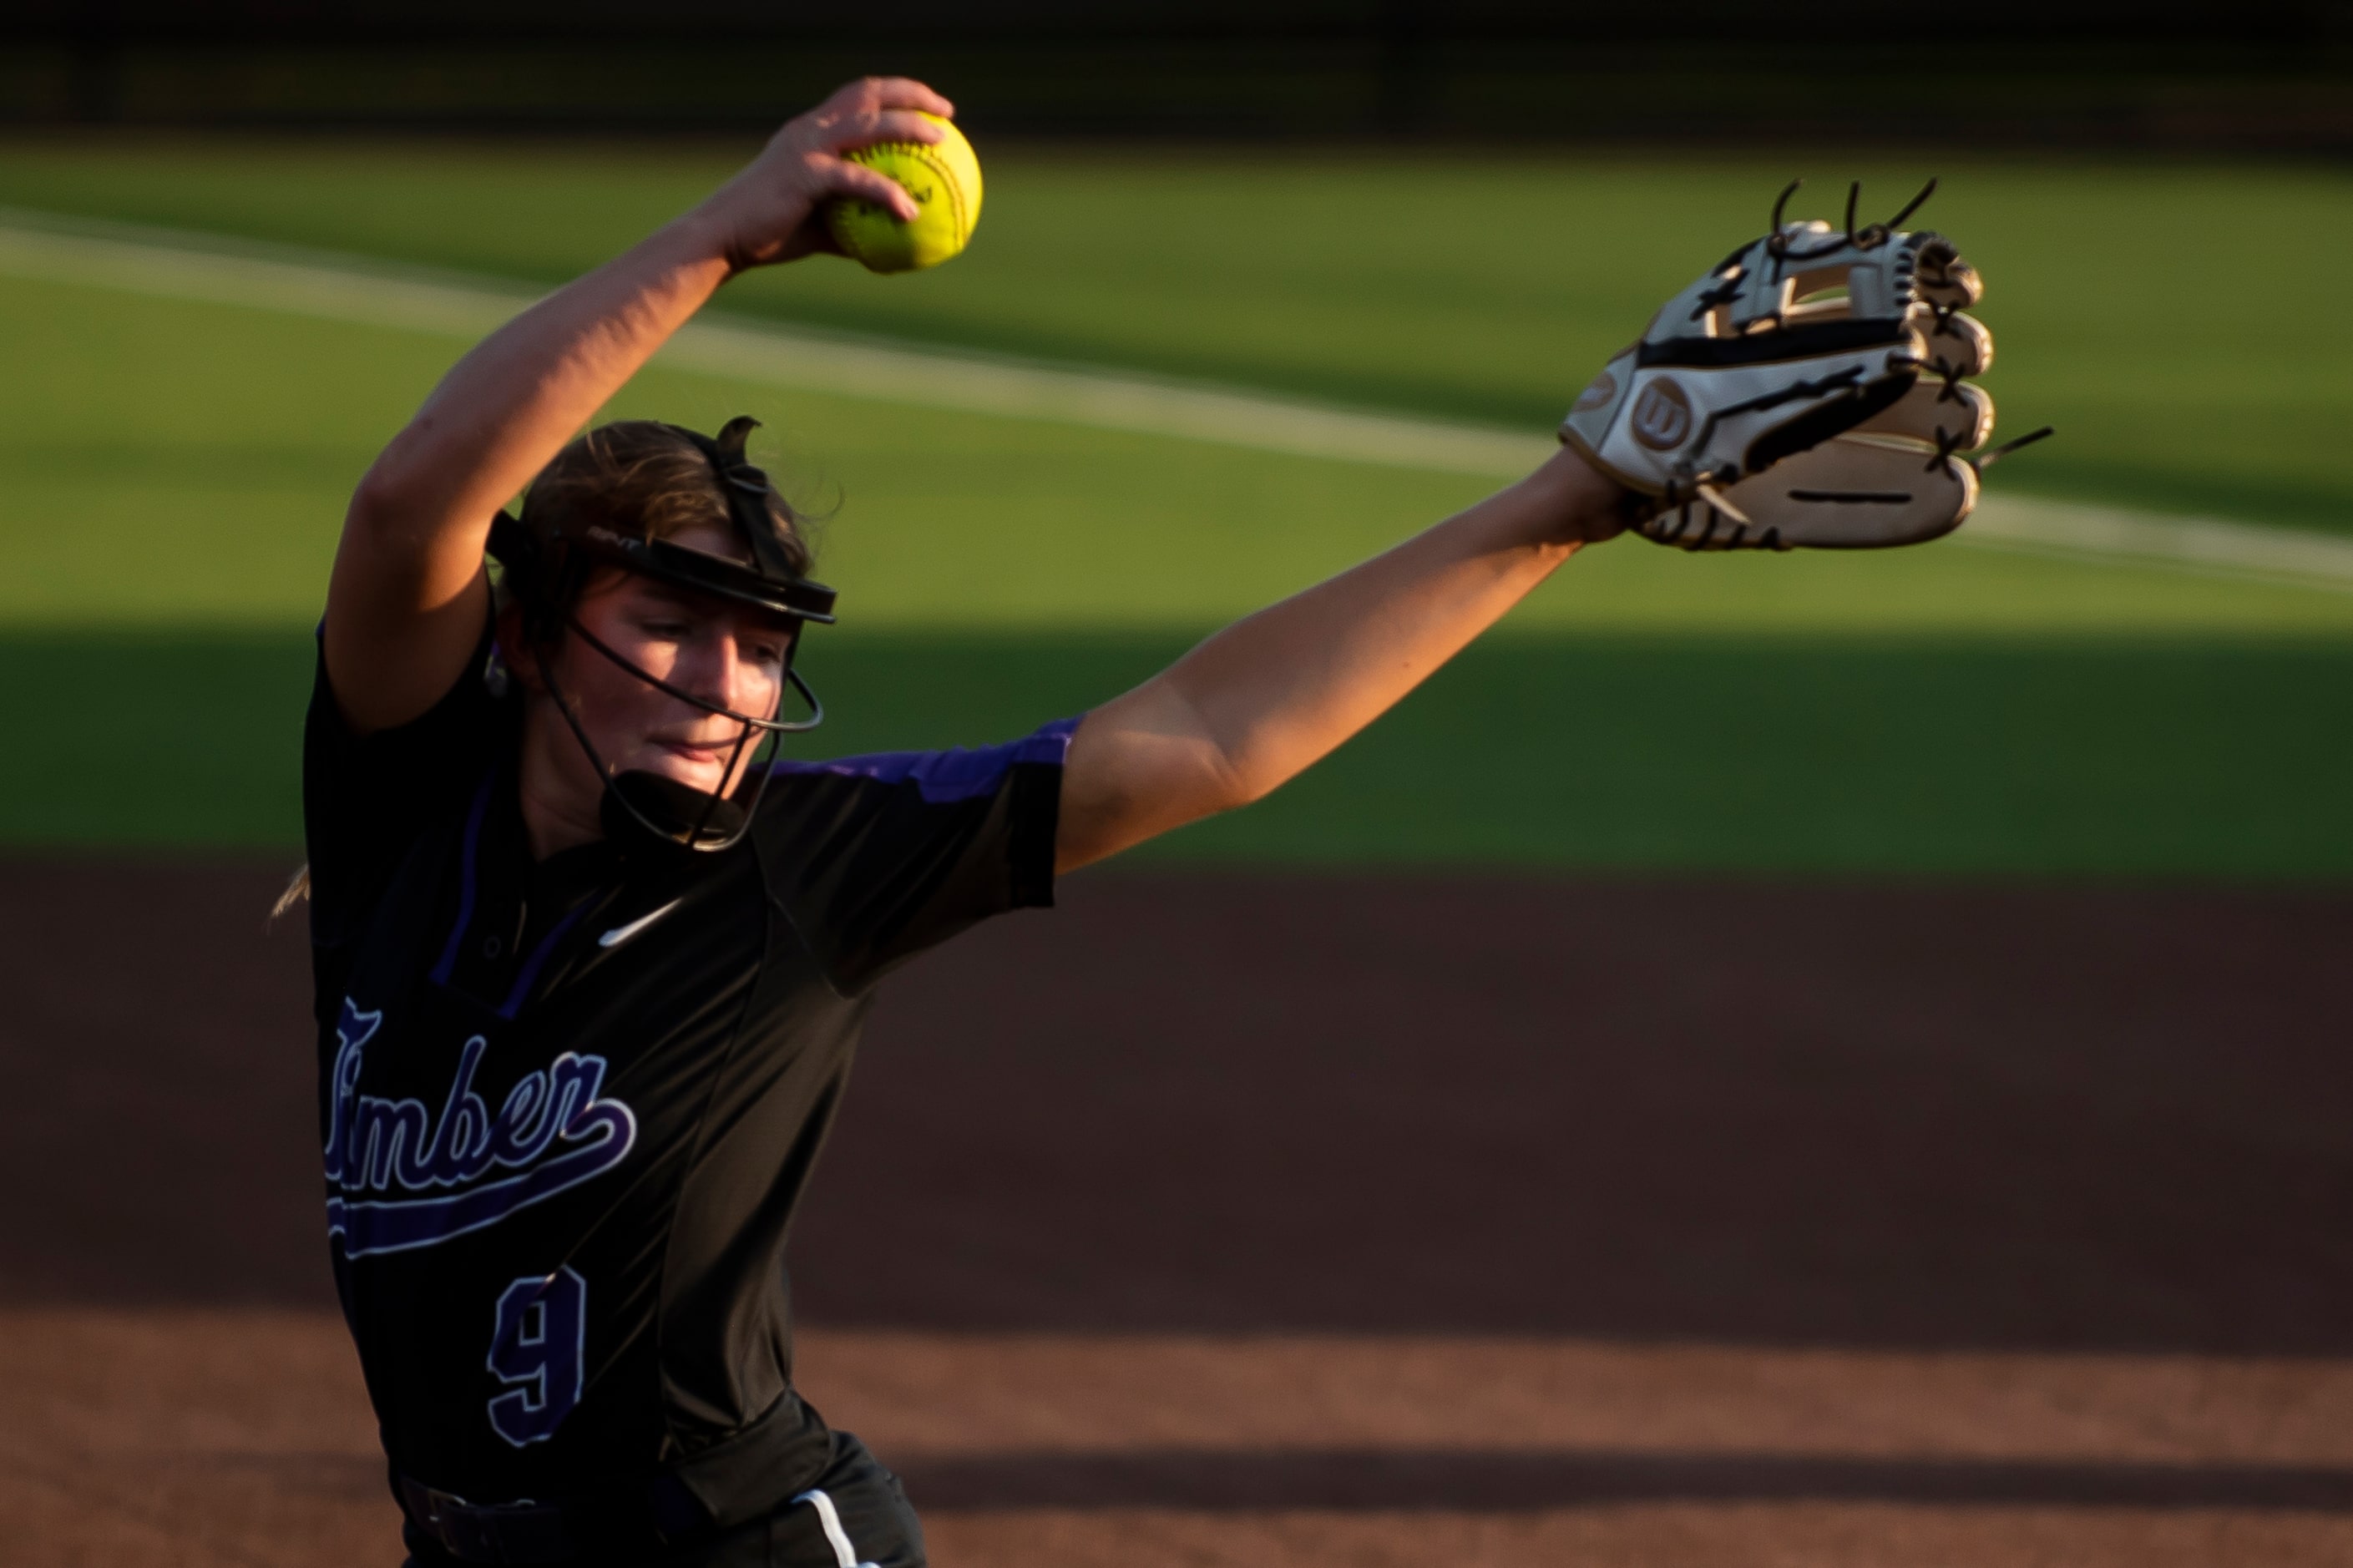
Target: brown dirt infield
column 1341, row 1220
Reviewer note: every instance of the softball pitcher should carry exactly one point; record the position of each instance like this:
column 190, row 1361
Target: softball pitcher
column 591, row 960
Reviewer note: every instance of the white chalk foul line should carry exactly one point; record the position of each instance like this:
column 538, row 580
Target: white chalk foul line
column 166, row 265
column 169, row 264
column 2208, row 545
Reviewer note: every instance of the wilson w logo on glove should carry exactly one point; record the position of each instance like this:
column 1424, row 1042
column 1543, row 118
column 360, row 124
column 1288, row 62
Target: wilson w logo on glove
column 1661, row 419
column 1812, row 389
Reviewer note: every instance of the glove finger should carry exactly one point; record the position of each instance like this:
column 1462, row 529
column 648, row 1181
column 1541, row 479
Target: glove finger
column 1961, row 288
column 1858, row 492
column 1953, row 416
column 1958, row 344
column 1943, row 277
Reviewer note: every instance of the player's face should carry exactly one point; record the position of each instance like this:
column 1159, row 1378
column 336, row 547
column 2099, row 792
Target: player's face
column 724, row 654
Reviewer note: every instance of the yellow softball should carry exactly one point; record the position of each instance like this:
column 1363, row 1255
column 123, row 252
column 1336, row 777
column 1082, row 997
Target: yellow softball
column 945, row 179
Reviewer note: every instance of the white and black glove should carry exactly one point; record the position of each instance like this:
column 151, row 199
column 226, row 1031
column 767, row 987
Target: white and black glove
column 1810, row 390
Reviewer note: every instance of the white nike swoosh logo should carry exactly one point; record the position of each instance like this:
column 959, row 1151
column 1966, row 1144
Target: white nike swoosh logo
column 620, row 934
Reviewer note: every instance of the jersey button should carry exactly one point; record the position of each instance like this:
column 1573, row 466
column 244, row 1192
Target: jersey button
column 490, row 948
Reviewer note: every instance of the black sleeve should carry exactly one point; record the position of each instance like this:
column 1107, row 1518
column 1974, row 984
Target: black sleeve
column 365, row 798
column 881, row 856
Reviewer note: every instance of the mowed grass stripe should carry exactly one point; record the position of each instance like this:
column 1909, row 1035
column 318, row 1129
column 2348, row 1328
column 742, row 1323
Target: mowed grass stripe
column 202, row 269
column 163, row 463
column 167, row 265
column 1426, row 284
column 1832, row 757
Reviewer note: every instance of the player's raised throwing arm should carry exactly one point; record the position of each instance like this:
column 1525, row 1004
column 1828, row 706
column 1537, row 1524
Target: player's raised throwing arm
column 1261, row 700
column 405, row 604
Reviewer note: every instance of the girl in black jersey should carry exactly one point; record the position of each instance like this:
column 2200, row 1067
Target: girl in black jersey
column 591, row 963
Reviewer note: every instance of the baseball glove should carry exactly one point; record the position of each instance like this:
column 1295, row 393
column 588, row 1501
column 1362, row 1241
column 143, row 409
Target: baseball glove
column 1812, row 389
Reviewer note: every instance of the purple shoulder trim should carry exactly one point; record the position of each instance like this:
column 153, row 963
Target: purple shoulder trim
column 959, row 773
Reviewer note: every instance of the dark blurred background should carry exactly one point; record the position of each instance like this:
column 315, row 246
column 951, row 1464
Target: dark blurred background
column 2260, row 75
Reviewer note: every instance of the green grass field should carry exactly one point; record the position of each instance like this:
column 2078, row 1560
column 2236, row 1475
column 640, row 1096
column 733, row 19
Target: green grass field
column 1829, row 756
column 172, row 475
column 2172, row 321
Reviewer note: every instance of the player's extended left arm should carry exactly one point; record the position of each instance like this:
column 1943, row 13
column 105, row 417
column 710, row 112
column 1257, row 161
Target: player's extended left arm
column 1259, row 702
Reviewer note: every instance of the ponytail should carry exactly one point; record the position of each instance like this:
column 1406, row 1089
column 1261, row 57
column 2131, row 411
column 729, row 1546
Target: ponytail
column 298, row 888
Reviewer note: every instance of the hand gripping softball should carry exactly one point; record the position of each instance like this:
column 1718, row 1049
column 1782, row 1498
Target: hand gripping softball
column 1810, row 390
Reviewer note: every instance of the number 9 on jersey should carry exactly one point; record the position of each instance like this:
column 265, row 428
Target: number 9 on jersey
column 539, row 1348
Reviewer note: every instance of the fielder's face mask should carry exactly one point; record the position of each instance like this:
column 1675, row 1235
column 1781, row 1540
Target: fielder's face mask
column 548, row 577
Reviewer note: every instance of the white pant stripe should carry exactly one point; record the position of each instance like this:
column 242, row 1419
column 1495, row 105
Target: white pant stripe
column 826, row 1515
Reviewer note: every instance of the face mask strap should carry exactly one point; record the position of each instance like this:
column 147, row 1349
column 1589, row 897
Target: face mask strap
column 775, row 726
column 765, row 730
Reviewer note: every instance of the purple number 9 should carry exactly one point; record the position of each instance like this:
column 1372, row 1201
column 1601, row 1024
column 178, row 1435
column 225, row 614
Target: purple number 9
column 539, row 1346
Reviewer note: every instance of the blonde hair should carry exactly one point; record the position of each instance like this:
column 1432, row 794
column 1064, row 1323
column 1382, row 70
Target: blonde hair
column 635, row 476
column 297, row 889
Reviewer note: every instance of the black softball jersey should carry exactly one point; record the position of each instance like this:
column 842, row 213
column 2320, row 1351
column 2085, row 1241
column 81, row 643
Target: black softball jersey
column 567, row 1106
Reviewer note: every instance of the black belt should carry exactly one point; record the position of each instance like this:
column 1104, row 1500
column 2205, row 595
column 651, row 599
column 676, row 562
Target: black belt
column 503, row 1532
column 741, row 1479
column 665, row 1515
